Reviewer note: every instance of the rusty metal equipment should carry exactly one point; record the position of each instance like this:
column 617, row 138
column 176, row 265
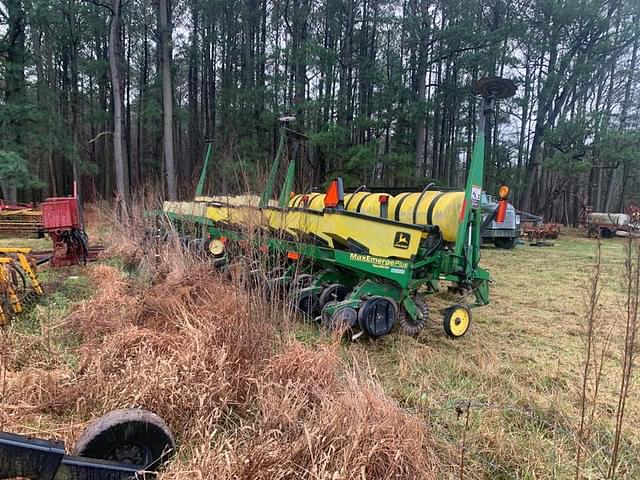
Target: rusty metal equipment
column 539, row 233
column 62, row 220
column 607, row 225
column 122, row 445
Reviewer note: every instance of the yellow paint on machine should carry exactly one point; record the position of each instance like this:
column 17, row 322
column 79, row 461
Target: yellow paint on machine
column 252, row 200
column 408, row 207
column 338, row 229
column 445, row 210
column 195, row 209
column 360, row 202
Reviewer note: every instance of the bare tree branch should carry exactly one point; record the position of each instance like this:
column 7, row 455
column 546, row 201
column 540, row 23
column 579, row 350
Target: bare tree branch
column 98, row 136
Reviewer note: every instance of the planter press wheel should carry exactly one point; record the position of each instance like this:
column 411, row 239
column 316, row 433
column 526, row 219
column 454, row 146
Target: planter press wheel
column 344, row 318
column 457, row 320
column 377, row 316
column 408, row 324
column 336, row 292
column 131, row 436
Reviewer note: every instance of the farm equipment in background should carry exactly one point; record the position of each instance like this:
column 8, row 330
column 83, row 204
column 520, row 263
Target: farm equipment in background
column 608, row 225
column 19, row 282
column 501, row 222
column 20, row 220
column 362, row 259
column 62, row 220
column 121, row 445
column 537, row 231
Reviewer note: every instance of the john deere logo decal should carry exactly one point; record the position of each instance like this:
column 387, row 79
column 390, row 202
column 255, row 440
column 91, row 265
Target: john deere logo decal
column 402, row 240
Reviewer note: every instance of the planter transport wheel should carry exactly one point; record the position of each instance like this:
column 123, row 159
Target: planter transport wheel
column 130, row 436
column 457, row 320
column 408, row 324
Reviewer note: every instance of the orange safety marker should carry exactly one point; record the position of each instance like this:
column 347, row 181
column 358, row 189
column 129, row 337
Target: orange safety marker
column 332, row 198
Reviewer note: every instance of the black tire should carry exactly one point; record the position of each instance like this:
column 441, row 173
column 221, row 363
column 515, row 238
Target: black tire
column 307, row 304
column 377, row 316
column 130, row 436
column 336, row 292
column 325, row 319
column 505, row 243
column 410, row 326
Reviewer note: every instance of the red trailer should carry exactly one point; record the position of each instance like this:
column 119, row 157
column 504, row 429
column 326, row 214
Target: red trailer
column 62, row 220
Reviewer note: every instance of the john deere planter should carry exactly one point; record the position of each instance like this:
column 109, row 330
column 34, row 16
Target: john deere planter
column 362, row 261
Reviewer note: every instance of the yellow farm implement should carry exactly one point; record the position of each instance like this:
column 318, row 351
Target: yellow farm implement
column 19, row 282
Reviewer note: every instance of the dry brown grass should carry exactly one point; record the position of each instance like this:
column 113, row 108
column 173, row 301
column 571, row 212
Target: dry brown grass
column 103, row 314
column 244, row 399
column 314, row 423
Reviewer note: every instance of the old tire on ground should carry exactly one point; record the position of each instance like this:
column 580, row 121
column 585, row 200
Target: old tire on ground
column 377, row 316
column 457, row 320
column 336, row 292
column 131, row 436
column 408, row 324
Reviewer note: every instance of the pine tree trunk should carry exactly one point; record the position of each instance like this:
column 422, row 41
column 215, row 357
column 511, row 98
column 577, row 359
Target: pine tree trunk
column 164, row 31
column 118, row 120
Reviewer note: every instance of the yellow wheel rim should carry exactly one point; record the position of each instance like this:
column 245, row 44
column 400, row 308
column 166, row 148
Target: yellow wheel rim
column 459, row 321
column 216, row 247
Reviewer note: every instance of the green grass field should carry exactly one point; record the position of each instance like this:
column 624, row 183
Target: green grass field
column 520, row 365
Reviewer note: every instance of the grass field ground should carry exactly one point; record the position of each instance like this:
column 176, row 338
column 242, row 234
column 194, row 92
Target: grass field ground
column 521, row 365
column 514, row 380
